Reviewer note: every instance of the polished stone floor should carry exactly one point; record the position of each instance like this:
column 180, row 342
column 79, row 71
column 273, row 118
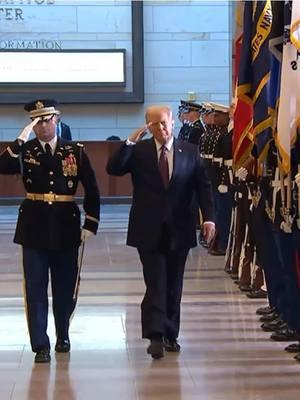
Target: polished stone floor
column 225, row 355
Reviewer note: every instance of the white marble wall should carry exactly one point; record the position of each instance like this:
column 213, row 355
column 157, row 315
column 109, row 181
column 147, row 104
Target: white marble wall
column 187, row 48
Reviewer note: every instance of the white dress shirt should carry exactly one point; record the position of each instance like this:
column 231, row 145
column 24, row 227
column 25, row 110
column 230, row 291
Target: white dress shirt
column 52, row 143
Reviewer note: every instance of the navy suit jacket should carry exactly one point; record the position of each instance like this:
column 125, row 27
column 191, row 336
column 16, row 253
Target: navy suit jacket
column 153, row 206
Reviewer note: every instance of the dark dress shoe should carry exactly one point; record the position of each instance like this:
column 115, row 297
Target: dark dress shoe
column 269, row 317
column 234, row 277
column 297, row 357
column 172, row 345
column 245, row 288
column 276, row 325
column 42, row 356
column 62, row 346
column 265, row 310
column 257, row 294
column 293, row 348
column 156, row 349
column 285, row 335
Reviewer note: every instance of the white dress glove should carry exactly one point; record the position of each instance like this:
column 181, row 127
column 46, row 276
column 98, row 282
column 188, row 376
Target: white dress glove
column 85, row 234
column 24, row 135
column 241, row 173
column 297, row 180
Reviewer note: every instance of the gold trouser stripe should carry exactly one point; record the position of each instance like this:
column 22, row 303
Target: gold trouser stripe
column 49, row 197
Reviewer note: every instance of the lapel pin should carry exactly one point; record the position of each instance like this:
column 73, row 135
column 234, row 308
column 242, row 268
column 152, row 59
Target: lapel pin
column 180, row 151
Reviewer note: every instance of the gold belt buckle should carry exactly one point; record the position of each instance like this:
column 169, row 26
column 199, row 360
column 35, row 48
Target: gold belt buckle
column 49, row 197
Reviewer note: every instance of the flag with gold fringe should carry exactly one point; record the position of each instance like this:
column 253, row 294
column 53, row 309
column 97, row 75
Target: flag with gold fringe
column 242, row 128
column 289, row 102
column 261, row 65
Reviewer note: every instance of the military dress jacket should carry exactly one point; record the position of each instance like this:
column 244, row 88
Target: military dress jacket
column 47, row 223
column 191, row 131
column 153, row 205
column 222, row 155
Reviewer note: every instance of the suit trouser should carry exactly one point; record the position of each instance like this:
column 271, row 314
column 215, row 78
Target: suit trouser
column 63, row 265
column 163, row 275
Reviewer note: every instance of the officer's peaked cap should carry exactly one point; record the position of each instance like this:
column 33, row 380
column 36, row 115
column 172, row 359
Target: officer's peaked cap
column 190, row 106
column 41, row 108
column 219, row 107
column 207, row 108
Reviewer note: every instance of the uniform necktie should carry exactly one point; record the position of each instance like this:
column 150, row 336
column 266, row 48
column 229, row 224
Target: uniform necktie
column 48, row 149
column 163, row 166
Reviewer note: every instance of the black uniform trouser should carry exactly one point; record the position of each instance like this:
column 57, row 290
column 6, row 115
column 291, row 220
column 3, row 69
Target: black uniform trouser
column 63, row 266
column 288, row 244
column 163, row 271
column 223, row 206
column 268, row 254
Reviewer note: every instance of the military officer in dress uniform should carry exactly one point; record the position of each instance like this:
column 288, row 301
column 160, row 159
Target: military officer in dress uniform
column 215, row 149
column 185, row 127
column 285, row 210
column 189, row 114
column 48, row 226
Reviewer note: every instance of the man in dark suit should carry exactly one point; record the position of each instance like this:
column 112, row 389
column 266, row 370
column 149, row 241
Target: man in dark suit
column 48, row 226
column 166, row 174
column 63, row 130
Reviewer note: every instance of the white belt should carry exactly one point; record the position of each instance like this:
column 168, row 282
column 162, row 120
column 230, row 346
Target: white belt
column 276, row 183
column 217, row 160
column 228, row 163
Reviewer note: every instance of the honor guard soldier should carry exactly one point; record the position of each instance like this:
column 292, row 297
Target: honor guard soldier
column 186, row 125
column 48, row 226
column 285, row 213
column 215, row 149
column 189, row 113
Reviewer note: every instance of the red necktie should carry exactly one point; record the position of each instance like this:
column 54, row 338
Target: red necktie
column 164, row 166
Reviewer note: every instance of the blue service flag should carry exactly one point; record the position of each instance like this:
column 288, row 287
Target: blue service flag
column 261, row 71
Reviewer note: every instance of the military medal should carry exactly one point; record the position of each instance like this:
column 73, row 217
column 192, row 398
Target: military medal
column 69, row 166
